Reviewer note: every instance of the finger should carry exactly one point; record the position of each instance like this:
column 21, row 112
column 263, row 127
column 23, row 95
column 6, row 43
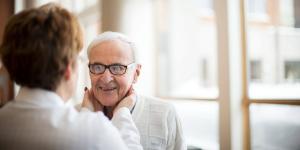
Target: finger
column 85, row 97
column 96, row 103
column 130, row 91
column 128, row 102
column 87, row 100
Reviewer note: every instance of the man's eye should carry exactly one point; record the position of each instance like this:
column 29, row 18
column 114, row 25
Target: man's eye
column 98, row 68
column 117, row 68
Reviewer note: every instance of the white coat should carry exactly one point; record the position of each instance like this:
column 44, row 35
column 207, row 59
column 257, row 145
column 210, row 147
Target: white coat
column 39, row 120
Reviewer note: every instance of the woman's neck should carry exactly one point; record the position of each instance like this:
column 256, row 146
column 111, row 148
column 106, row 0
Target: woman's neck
column 62, row 93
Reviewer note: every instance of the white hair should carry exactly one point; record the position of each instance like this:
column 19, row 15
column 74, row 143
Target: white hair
column 109, row 35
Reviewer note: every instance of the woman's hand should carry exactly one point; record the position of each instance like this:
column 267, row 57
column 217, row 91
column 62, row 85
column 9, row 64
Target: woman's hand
column 90, row 102
column 129, row 101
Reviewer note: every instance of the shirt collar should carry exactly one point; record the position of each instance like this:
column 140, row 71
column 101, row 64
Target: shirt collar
column 39, row 97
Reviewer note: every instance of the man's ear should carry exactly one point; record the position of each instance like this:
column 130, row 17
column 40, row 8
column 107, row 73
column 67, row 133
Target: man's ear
column 137, row 72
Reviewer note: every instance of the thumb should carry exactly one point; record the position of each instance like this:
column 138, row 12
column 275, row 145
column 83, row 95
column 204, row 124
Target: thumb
column 87, row 103
column 130, row 91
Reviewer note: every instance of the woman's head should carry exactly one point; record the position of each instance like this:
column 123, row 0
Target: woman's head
column 38, row 45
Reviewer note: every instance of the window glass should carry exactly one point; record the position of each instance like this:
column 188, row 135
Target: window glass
column 187, row 49
column 276, row 44
column 255, row 70
column 187, row 66
column 257, row 6
column 274, row 127
column 200, row 123
column 292, row 71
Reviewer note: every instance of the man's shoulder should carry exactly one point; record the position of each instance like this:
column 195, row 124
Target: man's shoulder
column 155, row 100
column 157, row 103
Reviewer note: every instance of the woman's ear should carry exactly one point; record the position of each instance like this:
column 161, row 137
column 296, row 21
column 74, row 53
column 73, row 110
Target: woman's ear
column 137, row 72
column 68, row 71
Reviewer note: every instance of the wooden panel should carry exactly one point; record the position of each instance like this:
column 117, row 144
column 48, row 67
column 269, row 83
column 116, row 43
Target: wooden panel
column 6, row 85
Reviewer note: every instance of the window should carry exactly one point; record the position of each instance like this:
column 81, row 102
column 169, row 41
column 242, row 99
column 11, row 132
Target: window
column 292, row 71
column 200, row 129
column 255, row 71
column 257, row 10
column 276, row 45
column 204, row 73
column 257, row 6
column 275, row 126
column 187, row 39
column 188, row 67
column 288, row 10
column 206, row 7
column 274, row 103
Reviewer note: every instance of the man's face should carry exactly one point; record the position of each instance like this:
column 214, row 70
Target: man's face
column 109, row 89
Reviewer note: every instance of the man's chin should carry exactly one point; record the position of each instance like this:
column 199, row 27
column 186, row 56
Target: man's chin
column 108, row 103
column 106, row 100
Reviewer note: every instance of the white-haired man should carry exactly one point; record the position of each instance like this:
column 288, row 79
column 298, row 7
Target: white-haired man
column 113, row 71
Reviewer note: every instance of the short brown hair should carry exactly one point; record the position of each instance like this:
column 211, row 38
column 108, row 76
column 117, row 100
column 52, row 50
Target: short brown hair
column 38, row 44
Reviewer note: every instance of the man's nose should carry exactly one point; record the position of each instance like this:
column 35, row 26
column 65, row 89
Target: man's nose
column 106, row 76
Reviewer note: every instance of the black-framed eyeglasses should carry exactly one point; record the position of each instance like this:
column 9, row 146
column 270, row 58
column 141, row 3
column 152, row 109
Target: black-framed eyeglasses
column 115, row 69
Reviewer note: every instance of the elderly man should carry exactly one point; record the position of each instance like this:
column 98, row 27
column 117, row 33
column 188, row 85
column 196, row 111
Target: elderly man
column 39, row 50
column 113, row 71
